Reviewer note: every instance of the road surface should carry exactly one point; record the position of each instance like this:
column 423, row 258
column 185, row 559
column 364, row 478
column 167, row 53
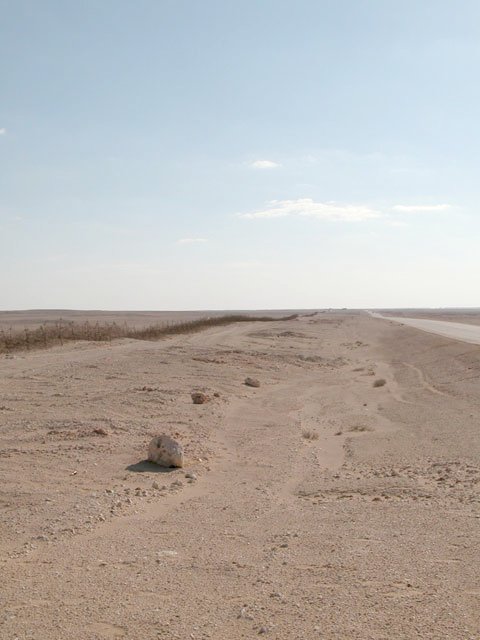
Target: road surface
column 456, row 330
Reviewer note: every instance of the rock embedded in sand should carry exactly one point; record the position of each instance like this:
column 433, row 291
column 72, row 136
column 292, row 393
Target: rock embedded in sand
column 252, row 382
column 199, row 398
column 100, row 431
column 165, row 451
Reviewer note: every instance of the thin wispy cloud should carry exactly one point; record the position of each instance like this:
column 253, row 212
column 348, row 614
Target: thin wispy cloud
column 307, row 207
column 192, row 240
column 396, row 223
column 245, row 264
column 264, row 164
column 420, row 208
column 3, row 131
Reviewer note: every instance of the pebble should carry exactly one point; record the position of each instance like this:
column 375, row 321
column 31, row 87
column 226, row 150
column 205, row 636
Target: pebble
column 191, row 476
column 244, row 614
column 167, row 552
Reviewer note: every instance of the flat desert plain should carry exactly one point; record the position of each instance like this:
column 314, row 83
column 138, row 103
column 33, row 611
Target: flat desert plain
column 322, row 504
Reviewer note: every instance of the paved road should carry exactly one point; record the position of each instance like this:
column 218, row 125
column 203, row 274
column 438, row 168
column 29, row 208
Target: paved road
column 455, row 330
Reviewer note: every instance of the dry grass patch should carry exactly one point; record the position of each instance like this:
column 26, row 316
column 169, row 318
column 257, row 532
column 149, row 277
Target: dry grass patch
column 360, row 428
column 380, row 382
column 61, row 331
column 309, row 434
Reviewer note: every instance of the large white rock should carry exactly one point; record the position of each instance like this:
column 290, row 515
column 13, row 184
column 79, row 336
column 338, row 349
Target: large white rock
column 165, row 451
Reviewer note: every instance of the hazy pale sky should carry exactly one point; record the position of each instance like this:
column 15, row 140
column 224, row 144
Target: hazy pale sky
column 187, row 154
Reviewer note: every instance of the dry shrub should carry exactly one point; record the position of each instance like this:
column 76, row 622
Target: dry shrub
column 360, row 428
column 309, row 434
column 380, row 382
column 62, row 331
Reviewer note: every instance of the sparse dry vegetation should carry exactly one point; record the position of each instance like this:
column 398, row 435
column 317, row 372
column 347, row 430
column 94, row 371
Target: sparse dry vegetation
column 380, row 382
column 309, row 434
column 360, row 428
column 61, row 331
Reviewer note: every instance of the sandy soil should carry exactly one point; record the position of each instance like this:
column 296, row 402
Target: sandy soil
column 369, row 531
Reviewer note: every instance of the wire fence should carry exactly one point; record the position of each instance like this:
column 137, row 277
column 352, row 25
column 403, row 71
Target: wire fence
column 62, row 331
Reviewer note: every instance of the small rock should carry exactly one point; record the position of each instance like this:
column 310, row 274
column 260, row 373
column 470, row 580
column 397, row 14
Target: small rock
column 155, row 485
column 190, row 476
column 244, row 614
column 100, row 432
column 263, row 630
column 252, row 382
column 165, row 451
column 216, row 394
column 200, row 398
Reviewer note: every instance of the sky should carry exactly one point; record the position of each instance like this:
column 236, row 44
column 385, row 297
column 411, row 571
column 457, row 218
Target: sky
column 217, row 154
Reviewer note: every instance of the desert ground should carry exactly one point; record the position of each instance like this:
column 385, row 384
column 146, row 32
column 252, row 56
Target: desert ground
column 338, row 500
